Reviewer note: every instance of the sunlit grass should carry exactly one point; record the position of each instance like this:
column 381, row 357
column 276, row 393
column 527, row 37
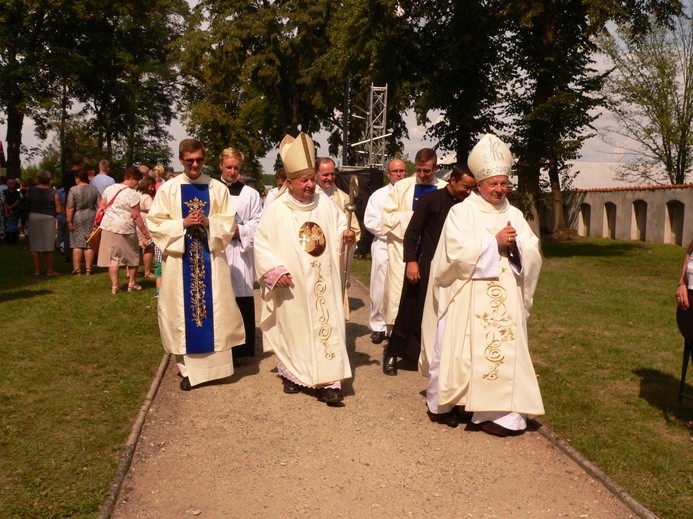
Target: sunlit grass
column 78, row 362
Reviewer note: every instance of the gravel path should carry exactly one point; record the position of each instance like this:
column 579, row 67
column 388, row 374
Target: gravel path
column 243, row 448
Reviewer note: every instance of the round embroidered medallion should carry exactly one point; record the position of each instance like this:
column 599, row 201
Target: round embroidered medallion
column 311, row 238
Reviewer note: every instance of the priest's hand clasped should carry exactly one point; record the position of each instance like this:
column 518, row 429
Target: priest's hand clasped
column 195, row 218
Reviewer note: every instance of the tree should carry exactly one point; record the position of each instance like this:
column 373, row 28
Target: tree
column 458, row 69
column 108, row 55
column 254, row 71
column 248, row 72
column 33, row 45
column 555, row 85
column 364, row 35
column 123, row 76
column 650, row 94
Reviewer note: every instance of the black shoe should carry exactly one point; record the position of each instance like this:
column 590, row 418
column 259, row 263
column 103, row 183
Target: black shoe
column 185, row 384
column 389, row 365
column 289, row 387
column 378, row 337
column 330, row 396
column 451, row 418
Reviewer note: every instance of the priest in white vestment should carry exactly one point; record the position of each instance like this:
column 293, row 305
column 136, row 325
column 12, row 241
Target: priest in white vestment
column 397, row 212
column 192, row 220
column 396, row 171
column 297, row 251
column 239, row 252
column 325, row 173
column 482, row 282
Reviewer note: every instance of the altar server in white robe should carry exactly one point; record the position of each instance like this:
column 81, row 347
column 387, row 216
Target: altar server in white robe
column 325, row 173
column 397, row 212
column 297, row 251
column 396, row 171
column 192, row 220
column 482, row 282
column 239, row 252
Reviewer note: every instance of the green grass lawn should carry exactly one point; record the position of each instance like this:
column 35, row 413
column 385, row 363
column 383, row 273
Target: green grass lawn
column 78, row 361
column 77, row 364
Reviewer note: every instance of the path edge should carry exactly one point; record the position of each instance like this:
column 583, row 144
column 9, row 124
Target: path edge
column 617, row 490
column 129, row 450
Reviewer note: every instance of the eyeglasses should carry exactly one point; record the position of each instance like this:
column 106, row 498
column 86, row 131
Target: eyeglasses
column 398, row 171
column 192, row 161
column 423, row 170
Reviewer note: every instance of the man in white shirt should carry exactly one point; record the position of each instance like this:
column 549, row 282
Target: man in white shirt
column 396, row 171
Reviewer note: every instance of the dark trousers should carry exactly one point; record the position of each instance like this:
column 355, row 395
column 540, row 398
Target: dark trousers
column 247, row 307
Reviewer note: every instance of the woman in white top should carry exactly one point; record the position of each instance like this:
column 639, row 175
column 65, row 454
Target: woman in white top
column 119, row 244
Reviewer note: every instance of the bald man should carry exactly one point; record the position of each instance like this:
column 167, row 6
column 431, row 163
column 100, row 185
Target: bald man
column 396, row 171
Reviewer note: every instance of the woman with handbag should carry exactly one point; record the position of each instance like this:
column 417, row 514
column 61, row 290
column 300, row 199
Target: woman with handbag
column 121, row 219
column 82, row 201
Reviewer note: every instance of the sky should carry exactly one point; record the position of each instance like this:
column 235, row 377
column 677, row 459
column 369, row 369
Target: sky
column 594, row 150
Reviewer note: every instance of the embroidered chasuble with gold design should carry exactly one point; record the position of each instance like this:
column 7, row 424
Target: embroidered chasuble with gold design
column 304, row 324
column 198, row 313
column 477, row 308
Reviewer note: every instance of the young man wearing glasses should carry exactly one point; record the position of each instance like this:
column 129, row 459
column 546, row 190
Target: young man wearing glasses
column 192, row 221
column 397, row 212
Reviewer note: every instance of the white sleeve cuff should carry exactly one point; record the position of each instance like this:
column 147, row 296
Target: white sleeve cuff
column 488, row 264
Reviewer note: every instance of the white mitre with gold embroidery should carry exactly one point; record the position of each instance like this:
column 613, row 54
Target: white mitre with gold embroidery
column 298, row 155
column 489, row 158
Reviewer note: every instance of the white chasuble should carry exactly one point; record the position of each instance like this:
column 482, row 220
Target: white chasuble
column 485, row 363
column 303, row 324
column 165, row 223
column 397, row 212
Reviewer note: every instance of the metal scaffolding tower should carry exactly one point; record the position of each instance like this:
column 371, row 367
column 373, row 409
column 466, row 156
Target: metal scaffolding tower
column 370, row 151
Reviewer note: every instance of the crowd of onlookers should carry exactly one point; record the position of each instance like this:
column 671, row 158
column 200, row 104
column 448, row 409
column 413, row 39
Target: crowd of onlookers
column 53, row 217
column 50, row 216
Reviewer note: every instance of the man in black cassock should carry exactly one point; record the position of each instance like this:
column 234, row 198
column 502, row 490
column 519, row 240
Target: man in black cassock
column 420, row 241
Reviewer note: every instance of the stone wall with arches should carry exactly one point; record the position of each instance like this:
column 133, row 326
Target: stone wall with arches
column 654, row 214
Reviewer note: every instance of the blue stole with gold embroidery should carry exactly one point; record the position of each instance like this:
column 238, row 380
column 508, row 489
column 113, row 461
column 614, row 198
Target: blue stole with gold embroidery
column 420, row 190
column 197, row 274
